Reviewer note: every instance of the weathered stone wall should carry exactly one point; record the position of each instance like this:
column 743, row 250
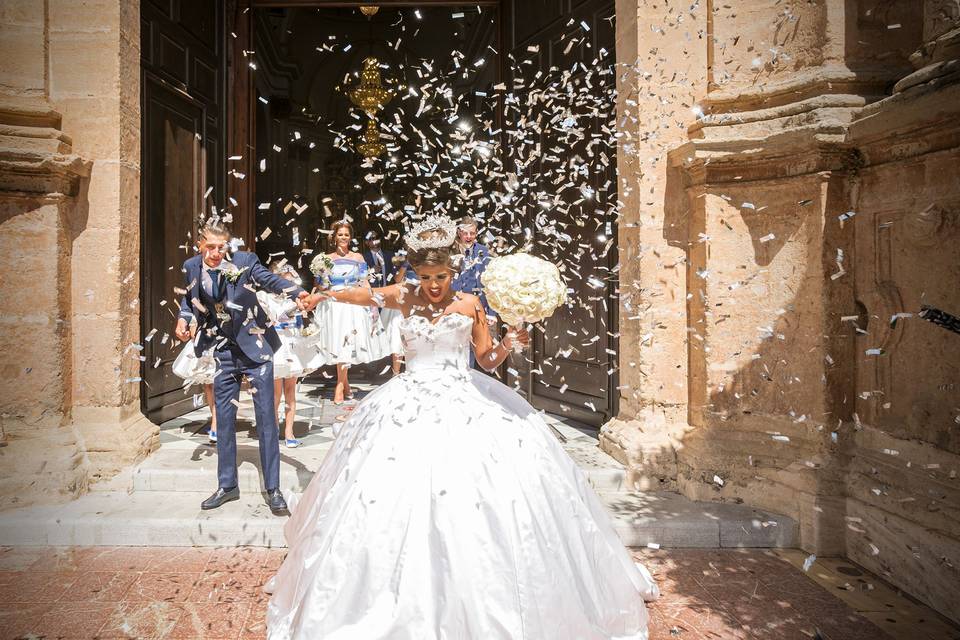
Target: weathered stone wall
column 69, row 163
column 811, row 197
column 95, row 84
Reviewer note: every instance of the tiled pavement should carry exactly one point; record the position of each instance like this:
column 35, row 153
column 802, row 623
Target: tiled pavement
column 205, row 593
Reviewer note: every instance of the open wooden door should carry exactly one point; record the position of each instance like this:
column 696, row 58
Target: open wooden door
column 182, row 156
column 573, row 372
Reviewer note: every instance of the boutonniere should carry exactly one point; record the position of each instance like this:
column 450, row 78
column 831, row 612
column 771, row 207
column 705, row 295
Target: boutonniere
column 232, row 274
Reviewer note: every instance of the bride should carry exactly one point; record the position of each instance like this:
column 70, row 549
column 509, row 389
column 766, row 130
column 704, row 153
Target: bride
column 446, row 509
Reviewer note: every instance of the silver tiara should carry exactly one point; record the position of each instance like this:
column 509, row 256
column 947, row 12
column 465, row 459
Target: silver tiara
column 446, row 227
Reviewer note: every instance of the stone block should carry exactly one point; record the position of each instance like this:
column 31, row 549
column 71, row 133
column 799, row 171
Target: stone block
column 21, row 49
column 91, row 121
column 96, row 275
column 34, row 385
column 116, row 437
column 83, row 64
column 101, row 368
column 89, row 16
column 22, row 13
column 46, row 465
column 763, row 530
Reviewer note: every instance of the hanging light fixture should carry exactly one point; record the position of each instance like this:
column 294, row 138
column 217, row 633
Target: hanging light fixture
column 369, row 10
column 371, row 96
column 371, row 146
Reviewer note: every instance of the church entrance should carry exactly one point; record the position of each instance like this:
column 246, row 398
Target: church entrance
column 497, row 110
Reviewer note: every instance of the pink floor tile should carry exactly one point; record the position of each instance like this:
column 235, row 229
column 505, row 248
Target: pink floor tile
column 229, row 586
column 141, row 620
column 34, row 587
column 99, row 586
column 213, row 621
column 162, row 587
column 179, row 559
column 114, row 559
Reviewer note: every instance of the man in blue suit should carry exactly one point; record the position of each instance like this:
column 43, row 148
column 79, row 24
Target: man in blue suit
column 475, row 259
column 221, row 299
column 381, row 265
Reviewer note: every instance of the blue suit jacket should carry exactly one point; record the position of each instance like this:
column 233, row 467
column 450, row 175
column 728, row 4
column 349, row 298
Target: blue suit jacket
column 389, row 271
column 255, row 334
column 468, row 280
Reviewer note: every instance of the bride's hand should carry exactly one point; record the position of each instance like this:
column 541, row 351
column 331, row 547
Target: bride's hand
column 517, row 335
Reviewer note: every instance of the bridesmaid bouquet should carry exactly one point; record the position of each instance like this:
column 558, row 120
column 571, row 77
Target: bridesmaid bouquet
column 522, row 288
column 321, row 266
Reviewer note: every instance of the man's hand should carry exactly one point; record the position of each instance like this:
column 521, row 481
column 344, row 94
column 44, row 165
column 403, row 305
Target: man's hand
column 183, row 330
column 308, row 302
column 302, row 298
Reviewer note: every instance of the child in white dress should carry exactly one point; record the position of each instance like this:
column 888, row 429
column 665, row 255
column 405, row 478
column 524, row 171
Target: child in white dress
column 200, row 370
column 290, row 360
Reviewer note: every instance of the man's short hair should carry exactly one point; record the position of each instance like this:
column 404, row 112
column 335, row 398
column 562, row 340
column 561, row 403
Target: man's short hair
column 467, row 221
column 214, row 228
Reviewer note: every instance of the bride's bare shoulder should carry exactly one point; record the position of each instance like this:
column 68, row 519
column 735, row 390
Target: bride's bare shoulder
column 469, row 299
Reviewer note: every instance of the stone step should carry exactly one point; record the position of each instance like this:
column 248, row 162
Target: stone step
column 154, row 518
column 174, row 518
column 171, row 470
column 179, row 469
column 672, row 521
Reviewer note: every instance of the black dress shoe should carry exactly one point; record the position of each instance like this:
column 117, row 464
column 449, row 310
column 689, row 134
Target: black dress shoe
column 220, row 497
column 278, row 506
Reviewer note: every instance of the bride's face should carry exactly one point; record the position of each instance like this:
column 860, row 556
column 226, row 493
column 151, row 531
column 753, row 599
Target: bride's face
column 435, row 281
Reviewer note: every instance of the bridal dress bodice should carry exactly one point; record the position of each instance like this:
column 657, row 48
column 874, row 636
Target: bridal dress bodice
column 439, row 345
column 447, row 510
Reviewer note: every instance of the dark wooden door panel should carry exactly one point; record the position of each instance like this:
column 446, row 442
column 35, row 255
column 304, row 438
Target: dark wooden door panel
column 573, row 370
column 172, row 176
column 182, row 149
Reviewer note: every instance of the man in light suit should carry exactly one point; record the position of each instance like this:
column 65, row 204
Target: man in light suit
column 221, row 297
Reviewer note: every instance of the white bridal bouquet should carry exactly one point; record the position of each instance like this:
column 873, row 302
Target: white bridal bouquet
column 523, row 288
column 321, row 266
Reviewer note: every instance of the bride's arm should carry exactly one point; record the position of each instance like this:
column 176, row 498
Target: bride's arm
column 390, row 297
column 490, row 355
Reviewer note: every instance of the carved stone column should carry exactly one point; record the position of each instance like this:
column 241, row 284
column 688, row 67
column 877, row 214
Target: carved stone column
column 69, row 229
column 661, row 71
column 41, row 181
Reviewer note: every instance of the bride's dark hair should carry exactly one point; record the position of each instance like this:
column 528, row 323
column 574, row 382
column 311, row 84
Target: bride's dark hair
column 434, row 256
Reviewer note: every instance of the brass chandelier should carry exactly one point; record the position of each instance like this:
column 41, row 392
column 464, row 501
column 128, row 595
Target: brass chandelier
column 370, row 95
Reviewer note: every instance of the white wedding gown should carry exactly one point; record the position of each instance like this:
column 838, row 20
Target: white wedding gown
column 446, row 509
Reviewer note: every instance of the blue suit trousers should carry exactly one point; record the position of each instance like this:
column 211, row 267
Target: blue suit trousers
column 232, row 366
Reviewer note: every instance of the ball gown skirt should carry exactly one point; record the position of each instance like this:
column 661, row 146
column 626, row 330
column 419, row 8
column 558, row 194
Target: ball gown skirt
column 446, row 509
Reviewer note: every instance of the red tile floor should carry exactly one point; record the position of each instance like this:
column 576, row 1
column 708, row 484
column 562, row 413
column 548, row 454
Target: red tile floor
column 202, row 593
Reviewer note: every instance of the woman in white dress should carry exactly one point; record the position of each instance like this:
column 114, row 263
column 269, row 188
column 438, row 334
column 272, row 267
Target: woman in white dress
column 446, row 509
column 347, row 334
